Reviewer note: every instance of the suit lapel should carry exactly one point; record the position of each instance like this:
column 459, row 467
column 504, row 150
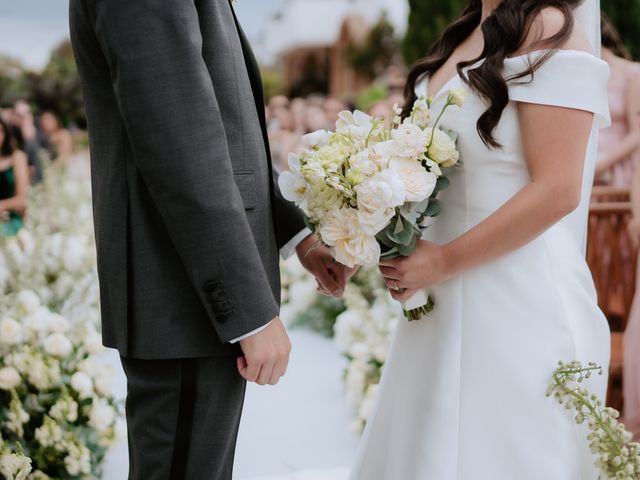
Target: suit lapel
column 254, row 73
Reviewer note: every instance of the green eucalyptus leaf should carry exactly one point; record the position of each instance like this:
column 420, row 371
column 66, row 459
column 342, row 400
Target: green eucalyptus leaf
column 311, row 226
column 434, row 208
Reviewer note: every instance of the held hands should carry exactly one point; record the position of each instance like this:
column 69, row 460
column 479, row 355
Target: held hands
column 317, row 259
column 266, row 354
column 427, row 266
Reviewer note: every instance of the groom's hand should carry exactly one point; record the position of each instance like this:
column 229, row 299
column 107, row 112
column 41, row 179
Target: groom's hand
column 316, row 258
column 266, row 354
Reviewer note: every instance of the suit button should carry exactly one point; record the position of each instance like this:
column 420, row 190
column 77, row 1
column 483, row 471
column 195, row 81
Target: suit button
column 212, row 286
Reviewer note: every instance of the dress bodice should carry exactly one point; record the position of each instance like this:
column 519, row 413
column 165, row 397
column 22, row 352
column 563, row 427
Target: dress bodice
column 487, row 178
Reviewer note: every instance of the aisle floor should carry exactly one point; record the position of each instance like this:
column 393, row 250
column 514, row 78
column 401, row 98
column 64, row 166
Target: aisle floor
column 297, row 430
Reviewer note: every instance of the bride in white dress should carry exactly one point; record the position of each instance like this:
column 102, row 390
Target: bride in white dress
column 463, row 392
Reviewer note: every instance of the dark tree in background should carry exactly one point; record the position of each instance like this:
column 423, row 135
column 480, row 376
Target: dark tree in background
column 377, row 53
column 57, row 87
column 427, row 19
column 625, row 15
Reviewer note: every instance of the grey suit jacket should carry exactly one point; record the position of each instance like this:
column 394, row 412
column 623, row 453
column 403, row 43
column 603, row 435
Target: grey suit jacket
column 188, row 217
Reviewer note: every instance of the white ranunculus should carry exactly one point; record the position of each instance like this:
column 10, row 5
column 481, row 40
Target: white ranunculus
column 443, row 149
column 352, row 246
column 378, row 197
column 81, row 383
column 292, row 184
column 9, row 378
column 457, row 96
column 418, row 183
column 410, row 140
column 316, row 139
column 27, row 302
column 357, row 125
column 58, row 345
column 101, row 416
column 11, row 332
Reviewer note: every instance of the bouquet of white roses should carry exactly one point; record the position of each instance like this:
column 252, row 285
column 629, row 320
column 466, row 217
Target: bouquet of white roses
column 366, row 189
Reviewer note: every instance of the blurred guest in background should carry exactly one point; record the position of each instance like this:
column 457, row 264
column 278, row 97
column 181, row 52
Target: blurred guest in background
column 14, row 183
column 619, row 143
column 332, row 107
column 28, row 140
column 59, row 140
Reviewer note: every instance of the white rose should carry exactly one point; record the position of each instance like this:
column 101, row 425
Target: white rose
column 292, row 184
column 359, row 350
column 58, row 345
column 74, row 254
column 27, row 302
column 9, row 378
column 443, row 149
column 357, row 125
column 352, row 246
column 378, row 197
column 101, row 416
column 457, row 96
column 418, row 183
column 10, row 332
column 410, row 140
column 81, row 383
column 315, row 139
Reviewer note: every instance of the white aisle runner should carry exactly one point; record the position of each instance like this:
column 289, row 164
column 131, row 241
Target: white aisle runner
column 297, row 430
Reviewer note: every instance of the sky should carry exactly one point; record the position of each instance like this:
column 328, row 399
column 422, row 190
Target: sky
column 30, row 29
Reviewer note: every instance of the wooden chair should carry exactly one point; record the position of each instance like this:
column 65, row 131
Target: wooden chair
column 612, row 259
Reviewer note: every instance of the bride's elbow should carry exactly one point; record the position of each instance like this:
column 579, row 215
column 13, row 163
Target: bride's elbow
column 564, row 199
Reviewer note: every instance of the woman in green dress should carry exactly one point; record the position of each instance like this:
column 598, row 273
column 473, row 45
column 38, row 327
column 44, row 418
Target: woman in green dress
column 14, row 184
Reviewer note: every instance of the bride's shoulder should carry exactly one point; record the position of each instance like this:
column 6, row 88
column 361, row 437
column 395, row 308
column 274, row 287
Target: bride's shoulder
column 546, row 26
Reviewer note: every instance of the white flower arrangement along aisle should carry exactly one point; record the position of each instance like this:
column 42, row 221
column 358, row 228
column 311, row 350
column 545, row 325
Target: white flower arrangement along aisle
column 57, row 414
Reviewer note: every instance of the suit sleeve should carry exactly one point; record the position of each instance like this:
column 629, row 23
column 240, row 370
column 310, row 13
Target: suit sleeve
column 172, row 120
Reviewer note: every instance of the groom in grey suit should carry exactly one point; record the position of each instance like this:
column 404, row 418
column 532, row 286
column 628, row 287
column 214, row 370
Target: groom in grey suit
column 188, row 221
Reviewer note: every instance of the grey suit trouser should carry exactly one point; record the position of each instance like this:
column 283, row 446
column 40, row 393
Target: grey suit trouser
column 183, row 417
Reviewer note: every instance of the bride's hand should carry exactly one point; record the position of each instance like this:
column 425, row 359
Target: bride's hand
column 427, row 266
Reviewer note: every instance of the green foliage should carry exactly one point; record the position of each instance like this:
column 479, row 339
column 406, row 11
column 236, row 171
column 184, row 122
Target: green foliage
column 377, row 53
column 57, row 87
column 370, row 96
column 427, row 19
column 321, row 315
column 625, row 15
column 272, row 82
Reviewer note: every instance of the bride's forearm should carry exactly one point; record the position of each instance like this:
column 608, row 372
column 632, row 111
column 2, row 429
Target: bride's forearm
column 519, row 221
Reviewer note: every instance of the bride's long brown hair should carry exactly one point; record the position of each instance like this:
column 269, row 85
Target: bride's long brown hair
column 505, row 32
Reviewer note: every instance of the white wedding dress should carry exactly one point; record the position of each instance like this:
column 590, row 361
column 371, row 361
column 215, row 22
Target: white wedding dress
column 463, row 391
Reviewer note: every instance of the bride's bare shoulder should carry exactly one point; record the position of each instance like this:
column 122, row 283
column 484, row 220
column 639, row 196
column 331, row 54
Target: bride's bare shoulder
column 549, row 22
